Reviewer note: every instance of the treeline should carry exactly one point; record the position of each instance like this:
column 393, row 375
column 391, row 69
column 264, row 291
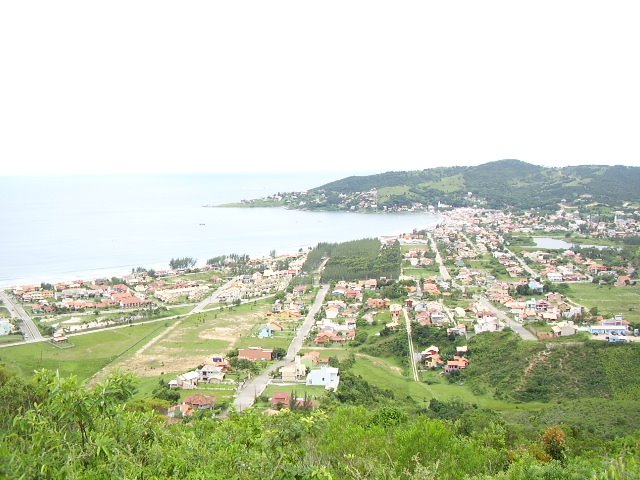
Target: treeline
column 55, row 428
column 182, row 262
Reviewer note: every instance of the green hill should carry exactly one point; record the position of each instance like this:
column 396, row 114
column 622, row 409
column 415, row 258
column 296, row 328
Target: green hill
column 500, row 184
column 534, row 371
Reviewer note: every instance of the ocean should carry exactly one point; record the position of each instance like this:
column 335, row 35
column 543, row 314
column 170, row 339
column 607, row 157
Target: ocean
column 79, row 227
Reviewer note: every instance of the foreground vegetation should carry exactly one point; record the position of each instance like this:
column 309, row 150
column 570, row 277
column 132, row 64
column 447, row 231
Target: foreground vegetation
column 55, row 428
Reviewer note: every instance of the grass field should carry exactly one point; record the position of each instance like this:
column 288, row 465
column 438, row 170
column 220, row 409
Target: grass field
column 384, row 374
column 609, row 300
column 90, row 353
column 422, row 272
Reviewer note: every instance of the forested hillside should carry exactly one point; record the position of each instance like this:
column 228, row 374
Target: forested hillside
column 501, row 184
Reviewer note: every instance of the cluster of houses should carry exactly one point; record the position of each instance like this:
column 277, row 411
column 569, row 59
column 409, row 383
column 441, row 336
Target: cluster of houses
column 313, row 370
column 212, row 371
column 432, row 359
column 78, row 296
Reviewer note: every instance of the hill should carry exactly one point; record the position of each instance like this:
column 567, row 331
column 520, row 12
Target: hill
column 500, row 184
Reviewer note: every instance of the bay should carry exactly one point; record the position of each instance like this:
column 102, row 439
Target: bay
column 69, row 227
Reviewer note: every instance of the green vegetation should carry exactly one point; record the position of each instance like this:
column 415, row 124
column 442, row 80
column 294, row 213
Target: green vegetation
column 90, row 354
column 55, row 428
column 532, row 371
column 355, row 260
column 608, row 300
column 501, row 184
column 182, row 262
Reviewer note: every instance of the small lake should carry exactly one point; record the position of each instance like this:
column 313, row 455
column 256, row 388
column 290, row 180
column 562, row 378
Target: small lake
column 557, row 244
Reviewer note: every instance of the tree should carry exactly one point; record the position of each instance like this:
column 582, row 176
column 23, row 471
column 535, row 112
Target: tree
column 554, row 443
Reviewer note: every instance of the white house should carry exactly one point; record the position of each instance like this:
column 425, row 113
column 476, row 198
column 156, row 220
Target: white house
column 5, row 327
column 328, row 377
column 487, row 324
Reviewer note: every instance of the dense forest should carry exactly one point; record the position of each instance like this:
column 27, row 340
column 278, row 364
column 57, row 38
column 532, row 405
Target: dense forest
column 55, row 428
column 355, row 260
column 501, row 184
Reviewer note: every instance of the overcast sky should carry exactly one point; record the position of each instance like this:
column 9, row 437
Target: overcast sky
column 158, row 86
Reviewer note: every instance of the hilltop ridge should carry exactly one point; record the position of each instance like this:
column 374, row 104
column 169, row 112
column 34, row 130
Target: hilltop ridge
column 500, row 184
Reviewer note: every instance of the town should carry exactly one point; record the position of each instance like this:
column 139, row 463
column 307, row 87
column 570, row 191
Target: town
column 273, row 333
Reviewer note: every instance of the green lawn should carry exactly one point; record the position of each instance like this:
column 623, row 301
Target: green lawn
column 273, row 342
column 10, row 338
column 422, row 272
column 609, row 300
column 300, row 390
column 90, row 354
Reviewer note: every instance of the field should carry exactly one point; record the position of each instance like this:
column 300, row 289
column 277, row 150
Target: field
column 189, row 340
column 609, row 300
column 91, row 352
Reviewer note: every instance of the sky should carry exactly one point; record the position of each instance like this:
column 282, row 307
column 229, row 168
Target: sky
column 360, row 86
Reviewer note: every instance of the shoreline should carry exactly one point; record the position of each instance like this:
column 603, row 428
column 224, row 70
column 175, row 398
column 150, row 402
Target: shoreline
column 122, row 270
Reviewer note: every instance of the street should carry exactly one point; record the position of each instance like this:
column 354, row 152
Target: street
column 28, row 328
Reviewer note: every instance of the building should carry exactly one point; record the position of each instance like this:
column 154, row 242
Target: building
column 328, row 377
column 294, row 371
column 255, row 353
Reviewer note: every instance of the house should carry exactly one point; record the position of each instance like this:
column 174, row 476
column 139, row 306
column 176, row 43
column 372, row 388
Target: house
column 186, row 381
column 487, row 324
column 218, row 361
column 255, row 353
column 199, row 401
column 294, row 371
column 5, row 327
column 59, row 337
column 614, row 326
column 210, row 373
column 328, row 377
column 310, row 359
column 265, row 332
column 378, row 302
column 281, row 400
column 564, row 329
column 180, row 411
column 458, row 363
column 554, row 277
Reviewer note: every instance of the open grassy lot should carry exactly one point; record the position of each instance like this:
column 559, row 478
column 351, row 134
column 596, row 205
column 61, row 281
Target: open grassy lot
column 422, row 272
column 10, row 338
column 191, row 339
column 277, row 341
column 609, row 300
column 205, row 277
column 91, row 352
column 407, row 247
column 315, row 392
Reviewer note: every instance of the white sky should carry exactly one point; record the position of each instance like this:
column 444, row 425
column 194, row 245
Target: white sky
column 159, row 86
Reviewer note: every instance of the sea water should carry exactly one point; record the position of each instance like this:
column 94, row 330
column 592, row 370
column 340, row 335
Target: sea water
column 78, row 227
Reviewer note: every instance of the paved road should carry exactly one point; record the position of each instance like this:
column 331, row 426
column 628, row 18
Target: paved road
column 412, row 353
column 303, row 331
column 523, row 264
column 444, row 273
column 254, row 387
column 515, row 326
column 213, row 297
column 29, row 329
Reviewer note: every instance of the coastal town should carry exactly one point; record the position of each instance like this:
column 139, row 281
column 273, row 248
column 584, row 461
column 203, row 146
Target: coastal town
column 278, row 334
